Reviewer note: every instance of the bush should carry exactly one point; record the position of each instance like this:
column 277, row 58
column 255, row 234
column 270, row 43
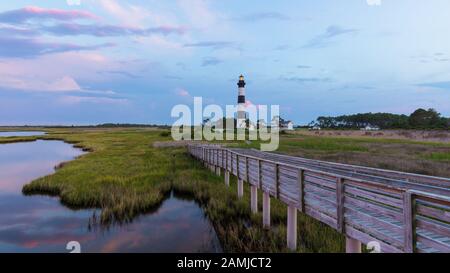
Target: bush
column 165, row 134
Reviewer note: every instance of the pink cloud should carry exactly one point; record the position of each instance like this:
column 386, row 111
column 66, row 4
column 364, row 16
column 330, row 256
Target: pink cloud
column 32, row 12
column 110, row 30
column 66, row 83
column 13, row 47
column 182, row 92
column 69, row 99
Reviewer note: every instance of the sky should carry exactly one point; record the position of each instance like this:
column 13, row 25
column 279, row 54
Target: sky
column 78, row 62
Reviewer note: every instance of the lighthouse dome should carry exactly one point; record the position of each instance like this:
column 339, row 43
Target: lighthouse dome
column 241, row 82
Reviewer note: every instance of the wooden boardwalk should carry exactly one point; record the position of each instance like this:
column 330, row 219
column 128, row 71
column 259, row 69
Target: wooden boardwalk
column 401, row 212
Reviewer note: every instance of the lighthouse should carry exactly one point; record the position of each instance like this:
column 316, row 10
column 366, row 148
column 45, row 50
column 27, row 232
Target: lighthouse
column 241, row 116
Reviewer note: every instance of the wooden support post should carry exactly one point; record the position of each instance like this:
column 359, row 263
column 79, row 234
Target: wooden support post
column 292, row 228
column 254, row 198
column 352, row 245
column 227, row 178
column 240, row 188
column 266, row 210
column 218, row 170
column 409, row 222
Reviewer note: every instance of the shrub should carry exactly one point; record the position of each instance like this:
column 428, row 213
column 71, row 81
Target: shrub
column 165, row 134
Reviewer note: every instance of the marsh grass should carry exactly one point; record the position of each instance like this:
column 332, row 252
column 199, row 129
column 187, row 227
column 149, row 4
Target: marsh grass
column 439, row 156
column 125, row 176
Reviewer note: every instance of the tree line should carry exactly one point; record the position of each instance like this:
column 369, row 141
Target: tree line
column 419, row 119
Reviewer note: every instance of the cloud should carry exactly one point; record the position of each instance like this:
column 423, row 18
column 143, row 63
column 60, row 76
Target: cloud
column 130, row 15
column 200, row 14
column 121, row 73
column 70, row 99
column 282, row 47
column 73, row 29
column 181, row 65
column 306, row 80
column 303, row 66
column 212, row 44
column 172, row 77
column 211, row 61
column 9, row 30
column 437, row 57
column 26, row 48
column 440, row 85
column 373, row 2
column 82, row 65
column 326, row 38
column 255, row 17
column 30, row 13
column 18, row 20
column 63, row 85
column 182, row 92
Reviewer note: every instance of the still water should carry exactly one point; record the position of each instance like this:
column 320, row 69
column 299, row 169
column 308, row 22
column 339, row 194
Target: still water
column 21, row 133
column 42, row 224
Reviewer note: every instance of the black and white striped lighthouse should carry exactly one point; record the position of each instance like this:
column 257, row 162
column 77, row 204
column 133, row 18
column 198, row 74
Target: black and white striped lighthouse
column 241, row 116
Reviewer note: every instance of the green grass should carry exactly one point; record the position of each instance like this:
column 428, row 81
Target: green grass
column 125, row 177
column 6, row 140
column 439, row 157
column 322, row 144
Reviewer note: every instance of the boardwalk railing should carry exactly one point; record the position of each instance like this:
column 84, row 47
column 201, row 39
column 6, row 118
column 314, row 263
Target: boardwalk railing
column 399, row 212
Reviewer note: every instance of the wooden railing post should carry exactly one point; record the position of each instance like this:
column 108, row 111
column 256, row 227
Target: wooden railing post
column 409, row 222
column 231, row 162
column 240, row 184
column 246, row 169
column 237, row 166
column 277, row 181
column 266, row 210
column 292, row 227
column 259, row 174
column 210, row 160
column 340, row 195
column 223, row 164
column 301, row 190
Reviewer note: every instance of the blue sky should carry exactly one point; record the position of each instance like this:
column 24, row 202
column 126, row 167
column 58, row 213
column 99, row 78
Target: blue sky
column 132, row 61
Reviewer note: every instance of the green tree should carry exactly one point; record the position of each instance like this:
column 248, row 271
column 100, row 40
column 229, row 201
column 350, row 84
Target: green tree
column 422, row 118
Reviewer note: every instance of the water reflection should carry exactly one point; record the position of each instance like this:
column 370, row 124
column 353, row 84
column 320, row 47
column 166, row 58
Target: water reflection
column 21, row 133
column 41, row 224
